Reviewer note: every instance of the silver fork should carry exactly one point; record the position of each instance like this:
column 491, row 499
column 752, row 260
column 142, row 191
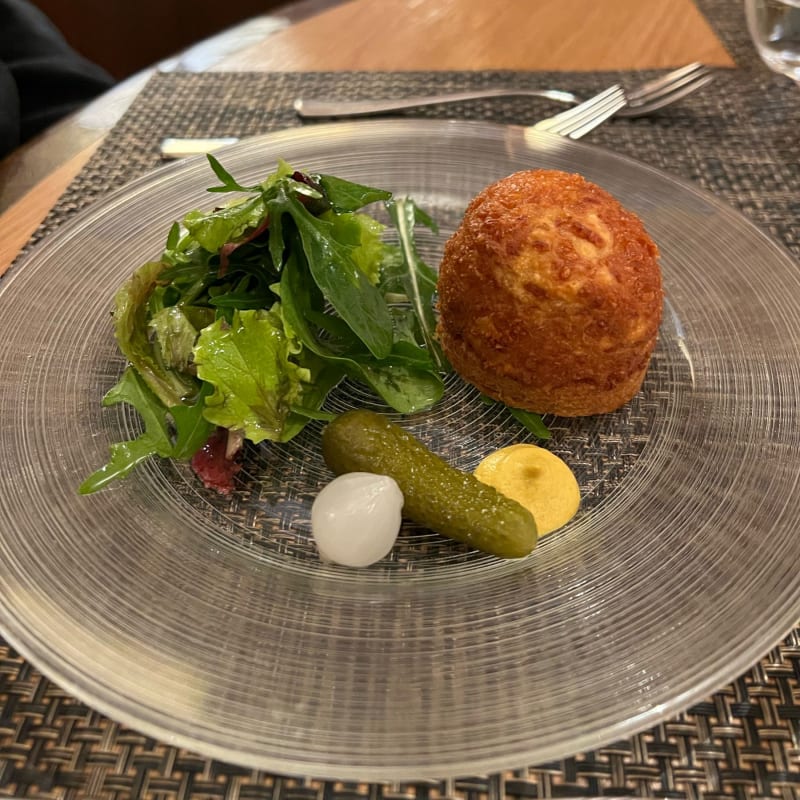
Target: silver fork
column 643, row 99
column 578, row 121
column 575, row 122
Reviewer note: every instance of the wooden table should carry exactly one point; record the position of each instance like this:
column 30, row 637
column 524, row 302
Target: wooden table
column 569, row 35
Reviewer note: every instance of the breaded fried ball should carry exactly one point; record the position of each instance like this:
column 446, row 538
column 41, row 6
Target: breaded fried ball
column 550, row 295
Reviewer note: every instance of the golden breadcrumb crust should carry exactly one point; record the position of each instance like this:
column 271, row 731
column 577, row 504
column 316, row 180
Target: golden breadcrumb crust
column 550, row 295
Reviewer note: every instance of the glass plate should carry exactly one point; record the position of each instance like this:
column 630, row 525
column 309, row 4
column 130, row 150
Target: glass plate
column 211, row 623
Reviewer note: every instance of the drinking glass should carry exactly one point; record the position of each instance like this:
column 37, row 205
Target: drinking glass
column 775, row 29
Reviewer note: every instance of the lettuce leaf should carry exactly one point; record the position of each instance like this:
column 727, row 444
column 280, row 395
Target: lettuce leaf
column 213, row 230
column 175, row 336
column 131, row 330
column 255, row 381
column 363, row 234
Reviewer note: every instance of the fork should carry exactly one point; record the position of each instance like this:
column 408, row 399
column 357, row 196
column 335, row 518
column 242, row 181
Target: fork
column 578, row 121
column 651, row 95
column 574, row 122
column 644, row 99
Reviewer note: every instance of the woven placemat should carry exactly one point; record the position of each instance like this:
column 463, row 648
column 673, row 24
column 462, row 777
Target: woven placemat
column 739, row 139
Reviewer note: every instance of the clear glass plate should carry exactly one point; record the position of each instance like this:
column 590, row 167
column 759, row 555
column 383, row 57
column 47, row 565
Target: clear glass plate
column 211, row 623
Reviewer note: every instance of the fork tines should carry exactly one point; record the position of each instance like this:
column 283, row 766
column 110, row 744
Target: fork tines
column 667, row 89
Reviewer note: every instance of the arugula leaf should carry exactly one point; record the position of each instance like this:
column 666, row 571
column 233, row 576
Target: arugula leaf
column 247, row 293
column 155, row 440
column 421, row 218
column 324, row 376
column 403, row 387
column 124, row 457
column 418, row 279
column 530, row 421
column 229, row 183
column 313, row 413
column 192, row 430
column 133, row 390
column 407, row 339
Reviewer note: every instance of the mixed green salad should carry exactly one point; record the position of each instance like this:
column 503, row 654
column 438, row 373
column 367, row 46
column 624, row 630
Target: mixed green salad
column 258, row 308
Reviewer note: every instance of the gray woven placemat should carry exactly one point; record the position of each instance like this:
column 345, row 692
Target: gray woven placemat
column 740, row 141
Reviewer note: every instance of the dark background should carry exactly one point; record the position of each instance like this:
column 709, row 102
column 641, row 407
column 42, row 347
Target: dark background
column 124, row 36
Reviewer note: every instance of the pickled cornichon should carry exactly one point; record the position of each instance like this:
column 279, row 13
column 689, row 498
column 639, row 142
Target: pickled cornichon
column 453, row 503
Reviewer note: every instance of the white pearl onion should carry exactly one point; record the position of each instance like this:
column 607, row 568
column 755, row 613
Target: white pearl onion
column 355, row 519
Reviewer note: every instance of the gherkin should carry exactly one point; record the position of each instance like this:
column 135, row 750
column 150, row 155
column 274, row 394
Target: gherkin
column 453, row 503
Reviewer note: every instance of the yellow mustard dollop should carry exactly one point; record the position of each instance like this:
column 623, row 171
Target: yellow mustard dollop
column 537, row 479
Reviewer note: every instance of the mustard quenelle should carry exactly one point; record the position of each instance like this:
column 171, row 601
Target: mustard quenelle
column 537, row 479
